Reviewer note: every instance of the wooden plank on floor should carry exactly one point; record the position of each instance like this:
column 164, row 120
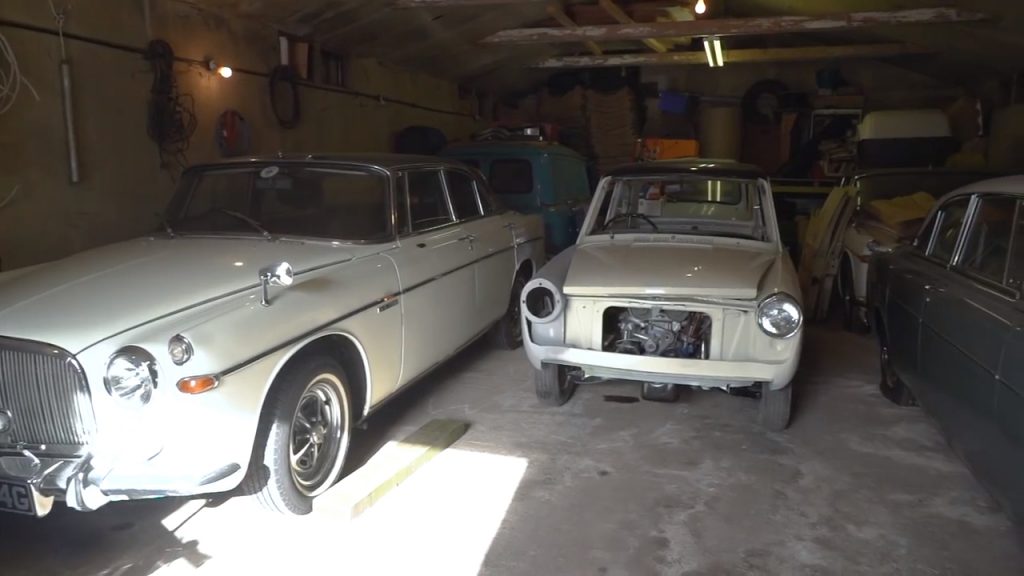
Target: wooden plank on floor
column 388, row 468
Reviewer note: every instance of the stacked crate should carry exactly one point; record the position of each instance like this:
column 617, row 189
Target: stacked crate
column 613, row 127
column 568, row 112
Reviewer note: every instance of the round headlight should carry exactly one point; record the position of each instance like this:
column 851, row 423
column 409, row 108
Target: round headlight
column 779, row 316
column 131, row 375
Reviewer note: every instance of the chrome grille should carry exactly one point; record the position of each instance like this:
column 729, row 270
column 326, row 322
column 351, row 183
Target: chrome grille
column 44, row 390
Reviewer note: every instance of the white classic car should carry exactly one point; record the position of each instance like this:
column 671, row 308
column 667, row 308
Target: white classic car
column 678, row 278
column 288, row 298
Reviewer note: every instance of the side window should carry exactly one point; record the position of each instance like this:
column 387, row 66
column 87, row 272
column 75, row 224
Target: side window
column 1015, row 271
column 947, row 228
column 987, row 248
column 428, row 207
column 511, row 176
column 462, row 191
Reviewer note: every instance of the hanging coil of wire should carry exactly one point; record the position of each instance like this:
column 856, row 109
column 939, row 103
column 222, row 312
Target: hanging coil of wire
column 171, row 117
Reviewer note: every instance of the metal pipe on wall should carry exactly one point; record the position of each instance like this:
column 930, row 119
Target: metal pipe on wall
column 69, row 121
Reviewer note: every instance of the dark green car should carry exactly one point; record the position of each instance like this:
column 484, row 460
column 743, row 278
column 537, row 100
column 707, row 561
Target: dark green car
column 950, row 321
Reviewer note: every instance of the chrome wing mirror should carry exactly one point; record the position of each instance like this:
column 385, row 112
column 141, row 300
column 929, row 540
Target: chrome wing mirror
column 279, row 274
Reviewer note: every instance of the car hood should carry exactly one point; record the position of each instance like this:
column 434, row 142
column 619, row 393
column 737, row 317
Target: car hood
column 81, row 300
column 712, row 269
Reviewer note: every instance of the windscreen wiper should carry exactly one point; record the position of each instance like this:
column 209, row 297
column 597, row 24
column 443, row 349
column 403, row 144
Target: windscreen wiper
column 252, row 223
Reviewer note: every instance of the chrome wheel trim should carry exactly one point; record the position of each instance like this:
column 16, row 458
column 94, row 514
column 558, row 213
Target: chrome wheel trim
column 319, row 435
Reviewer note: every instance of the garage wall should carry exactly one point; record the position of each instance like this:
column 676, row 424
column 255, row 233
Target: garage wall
column 123, row 186
column 883, row 85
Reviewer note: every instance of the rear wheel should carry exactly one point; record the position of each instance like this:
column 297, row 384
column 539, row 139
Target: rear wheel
column 555, row 384
column 508, row 332
column 656, row 392
column 775, row 408
column 891, row 386
column 853, row 314
column 303, row 439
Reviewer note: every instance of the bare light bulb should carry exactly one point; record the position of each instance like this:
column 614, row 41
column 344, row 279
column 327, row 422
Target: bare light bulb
column 225, row 72
column 700, row 7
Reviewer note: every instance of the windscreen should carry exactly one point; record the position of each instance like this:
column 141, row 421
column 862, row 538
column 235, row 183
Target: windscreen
column 682, row 204
column 332, row 203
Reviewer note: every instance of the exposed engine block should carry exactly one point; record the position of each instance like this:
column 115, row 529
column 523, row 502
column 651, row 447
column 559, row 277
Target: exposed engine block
column 657, row 332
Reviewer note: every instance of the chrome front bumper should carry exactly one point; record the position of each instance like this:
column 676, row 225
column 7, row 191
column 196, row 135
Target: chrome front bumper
column 84, row 487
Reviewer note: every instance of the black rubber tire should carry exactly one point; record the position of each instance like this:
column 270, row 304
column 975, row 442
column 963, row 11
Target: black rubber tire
column 775, row 408
column 554, row 384
column 655, row 392
column 507, row 333
column 269, row 478
column 890, row 384
column 853, row 315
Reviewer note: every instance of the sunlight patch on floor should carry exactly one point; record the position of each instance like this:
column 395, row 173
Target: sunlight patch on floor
column 442, row 520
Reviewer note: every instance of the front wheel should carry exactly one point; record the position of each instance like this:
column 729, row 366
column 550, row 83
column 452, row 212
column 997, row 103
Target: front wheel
column 775, row 408
column 891, row 386
column 508, row 332
column 555, row 384
column 303, row 439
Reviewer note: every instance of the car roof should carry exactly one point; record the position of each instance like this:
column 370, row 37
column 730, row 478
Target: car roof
column 703, row 166
column 1004, row 185
column 382, row 161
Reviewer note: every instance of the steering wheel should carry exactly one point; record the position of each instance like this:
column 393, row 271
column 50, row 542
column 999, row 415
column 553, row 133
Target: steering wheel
column 630, row 215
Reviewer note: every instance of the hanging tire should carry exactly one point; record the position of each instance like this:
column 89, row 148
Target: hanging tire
column 507, row 333
column 303, row 438
column 554, row 384
column 890, row 385
column 655, row 392
column 776, row 405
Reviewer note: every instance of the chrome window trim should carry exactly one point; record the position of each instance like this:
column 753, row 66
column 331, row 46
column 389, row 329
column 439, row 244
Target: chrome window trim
column 995, row 287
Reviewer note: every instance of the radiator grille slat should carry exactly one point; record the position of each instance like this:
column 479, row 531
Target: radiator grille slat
column 46, row 393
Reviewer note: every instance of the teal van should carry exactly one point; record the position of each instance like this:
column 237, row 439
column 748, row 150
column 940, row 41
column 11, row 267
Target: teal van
column 534, row 177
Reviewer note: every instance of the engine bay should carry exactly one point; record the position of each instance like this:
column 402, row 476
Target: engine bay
column 656, row 331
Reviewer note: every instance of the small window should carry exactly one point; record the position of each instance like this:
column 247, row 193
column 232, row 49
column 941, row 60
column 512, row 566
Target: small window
column 428, row 207
column 947, row 229
column 462, row 191
column 987, row 248
column 1015, row 271
column 511, row 176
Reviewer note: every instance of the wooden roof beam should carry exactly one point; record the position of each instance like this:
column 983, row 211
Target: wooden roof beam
column 456, row 3
column 694, row 58
column 555, row 11
column 732, row 26
column 615, row 12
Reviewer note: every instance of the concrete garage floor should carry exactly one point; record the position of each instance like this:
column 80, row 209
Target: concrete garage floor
column 856, row 486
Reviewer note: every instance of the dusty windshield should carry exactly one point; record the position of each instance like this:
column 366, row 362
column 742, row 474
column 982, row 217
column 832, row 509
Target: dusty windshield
column 682, row 204
column 283, row 200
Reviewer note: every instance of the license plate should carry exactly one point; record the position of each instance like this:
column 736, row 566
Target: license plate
column 16, row 497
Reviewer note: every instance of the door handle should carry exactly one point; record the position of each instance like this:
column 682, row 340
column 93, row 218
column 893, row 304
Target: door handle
column 468, row 238
column 509, row 225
